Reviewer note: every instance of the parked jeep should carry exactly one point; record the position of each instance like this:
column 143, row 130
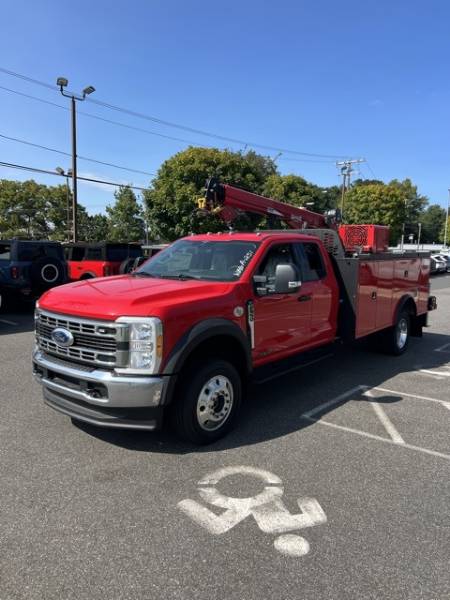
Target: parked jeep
column 88, row 260
column 29, row 268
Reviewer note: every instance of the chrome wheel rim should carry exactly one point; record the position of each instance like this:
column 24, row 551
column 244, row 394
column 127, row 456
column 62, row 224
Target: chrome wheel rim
column 402, row 333
column 214, row 403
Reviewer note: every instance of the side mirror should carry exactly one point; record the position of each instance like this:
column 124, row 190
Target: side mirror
column 286, row 279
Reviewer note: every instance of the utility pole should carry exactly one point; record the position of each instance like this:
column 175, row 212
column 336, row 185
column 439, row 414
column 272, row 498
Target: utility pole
column 402, row 242
column 62, row 82
column 446, row 220
column 346, row 173
column 61, row 171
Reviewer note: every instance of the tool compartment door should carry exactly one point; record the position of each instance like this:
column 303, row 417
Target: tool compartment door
column 366, row 313
column 385, row 292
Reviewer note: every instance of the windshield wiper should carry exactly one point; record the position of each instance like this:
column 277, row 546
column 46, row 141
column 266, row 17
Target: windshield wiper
column 142, row 274
column 180, row 276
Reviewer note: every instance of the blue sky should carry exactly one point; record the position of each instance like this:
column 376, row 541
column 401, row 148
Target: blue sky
column 363, row 79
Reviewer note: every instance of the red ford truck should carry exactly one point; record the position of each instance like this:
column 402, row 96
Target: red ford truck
column 184, row 333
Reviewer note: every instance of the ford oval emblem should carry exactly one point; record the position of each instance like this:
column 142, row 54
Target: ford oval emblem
column 62, row 337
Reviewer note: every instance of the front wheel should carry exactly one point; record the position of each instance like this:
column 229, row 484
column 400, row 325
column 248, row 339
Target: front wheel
column 208, row 402
column 396, row 338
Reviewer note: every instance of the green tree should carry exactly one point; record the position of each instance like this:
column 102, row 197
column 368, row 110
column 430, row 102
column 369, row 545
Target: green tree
column 125, row 217
column 393, row 204
column 295, row 190
column 32, row 210
column 432, row 219
column 93, row 228
column 367, row 182
column 171, row 198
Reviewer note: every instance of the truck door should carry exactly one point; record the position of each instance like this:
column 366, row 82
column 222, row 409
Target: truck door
column 322, row 290
column 282, row 322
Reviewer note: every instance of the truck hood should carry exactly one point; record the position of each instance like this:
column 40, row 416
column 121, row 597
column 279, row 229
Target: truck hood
column 111, row 297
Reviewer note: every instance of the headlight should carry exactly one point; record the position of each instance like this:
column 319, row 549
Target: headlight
column 145, row 339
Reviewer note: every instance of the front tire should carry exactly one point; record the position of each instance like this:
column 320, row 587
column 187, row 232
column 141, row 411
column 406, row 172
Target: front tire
column 208, row 404
column 396, row 338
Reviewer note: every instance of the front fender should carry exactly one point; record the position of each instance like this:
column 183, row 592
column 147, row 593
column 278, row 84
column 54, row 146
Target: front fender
column 200, row 332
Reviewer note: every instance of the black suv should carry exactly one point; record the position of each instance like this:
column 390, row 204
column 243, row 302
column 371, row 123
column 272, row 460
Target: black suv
column 29, row 268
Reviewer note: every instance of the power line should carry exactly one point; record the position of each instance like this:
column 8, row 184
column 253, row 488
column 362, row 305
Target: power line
column 370, row 169
column 93, row 160
column 206, row 133
column 110, row 121
column 310, row 160
column 147, row 131
column 141, row 129
column 140, row 115
column 48, row 172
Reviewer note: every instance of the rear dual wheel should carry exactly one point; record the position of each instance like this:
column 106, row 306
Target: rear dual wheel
column 396, row 338
column 208, row 402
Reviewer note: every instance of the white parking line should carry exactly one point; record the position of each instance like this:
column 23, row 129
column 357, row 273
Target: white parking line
column 443, row 348
column 380, row 439
column 395, row 437
column 432, row 375
column 333, row 401
column 414, row 396
column 385, row 420
column 439, row 374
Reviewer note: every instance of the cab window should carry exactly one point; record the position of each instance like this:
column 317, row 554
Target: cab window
column 76, row 253
column 280, row 254
column 5, row 251
column 30, row 252
column 94, row 253
column 312, row 265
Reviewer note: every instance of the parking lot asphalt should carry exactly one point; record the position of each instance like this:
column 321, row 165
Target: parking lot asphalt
column 353, row 452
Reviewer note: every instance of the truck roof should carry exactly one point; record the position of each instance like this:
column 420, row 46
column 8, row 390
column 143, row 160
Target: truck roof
column 99, row 244
column 16, row 240
column 244, row 236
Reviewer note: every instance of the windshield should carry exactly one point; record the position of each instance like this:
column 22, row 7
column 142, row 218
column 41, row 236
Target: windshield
column 215, row 261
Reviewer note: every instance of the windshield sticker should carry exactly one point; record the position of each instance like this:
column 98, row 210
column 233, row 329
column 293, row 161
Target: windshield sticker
column 243, row 263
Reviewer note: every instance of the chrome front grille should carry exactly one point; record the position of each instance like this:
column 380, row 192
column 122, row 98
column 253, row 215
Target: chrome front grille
column 100, row 343
column 81, row 339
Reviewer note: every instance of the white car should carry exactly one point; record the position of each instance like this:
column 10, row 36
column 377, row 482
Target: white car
column 438, row 264
column 446, row 257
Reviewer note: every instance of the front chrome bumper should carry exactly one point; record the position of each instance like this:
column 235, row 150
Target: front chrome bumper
column 100, row 397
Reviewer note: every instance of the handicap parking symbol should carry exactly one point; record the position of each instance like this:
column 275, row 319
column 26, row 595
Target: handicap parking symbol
column 266, row 507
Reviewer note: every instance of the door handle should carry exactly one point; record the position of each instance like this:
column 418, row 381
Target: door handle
column 304, row 298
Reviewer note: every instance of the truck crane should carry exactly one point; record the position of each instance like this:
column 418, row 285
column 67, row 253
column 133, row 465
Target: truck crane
column 229, row 202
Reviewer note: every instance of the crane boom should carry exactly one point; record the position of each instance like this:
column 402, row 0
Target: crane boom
column 228, row 202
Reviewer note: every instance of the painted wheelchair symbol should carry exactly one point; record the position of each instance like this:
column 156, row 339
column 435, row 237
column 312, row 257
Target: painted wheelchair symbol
column 267, row 508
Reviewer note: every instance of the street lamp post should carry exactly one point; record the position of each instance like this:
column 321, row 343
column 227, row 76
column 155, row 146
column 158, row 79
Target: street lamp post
column 62, row 82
